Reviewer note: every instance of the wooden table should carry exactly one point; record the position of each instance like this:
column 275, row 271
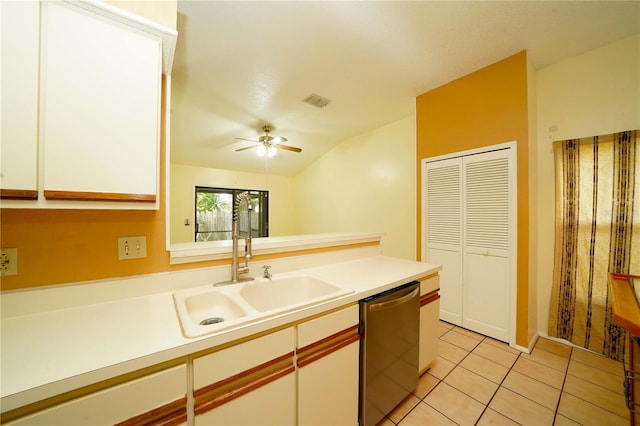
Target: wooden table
column 626, row 314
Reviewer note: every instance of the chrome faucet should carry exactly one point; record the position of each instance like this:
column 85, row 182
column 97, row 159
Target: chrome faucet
column 267, row 272
column 236, row 269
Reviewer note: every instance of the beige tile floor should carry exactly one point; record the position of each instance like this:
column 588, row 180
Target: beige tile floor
column 477, row 380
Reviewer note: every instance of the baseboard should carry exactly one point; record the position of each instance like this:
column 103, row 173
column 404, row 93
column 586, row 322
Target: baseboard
column 526, row 350
column 565, row 342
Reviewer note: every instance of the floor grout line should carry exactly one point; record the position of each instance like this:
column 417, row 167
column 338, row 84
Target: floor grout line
column 497, row 389
column 457, row 364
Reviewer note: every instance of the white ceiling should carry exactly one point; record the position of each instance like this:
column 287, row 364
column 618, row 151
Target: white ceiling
column 242, row 64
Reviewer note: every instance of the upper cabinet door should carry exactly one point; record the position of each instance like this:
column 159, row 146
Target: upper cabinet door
column 19, row 112
column 100, row 107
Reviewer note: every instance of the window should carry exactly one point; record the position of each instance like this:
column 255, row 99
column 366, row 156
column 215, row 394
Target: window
column 214, row 213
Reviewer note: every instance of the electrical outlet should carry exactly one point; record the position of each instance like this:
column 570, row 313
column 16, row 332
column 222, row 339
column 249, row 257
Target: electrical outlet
column 9, row 261
column 132, row 247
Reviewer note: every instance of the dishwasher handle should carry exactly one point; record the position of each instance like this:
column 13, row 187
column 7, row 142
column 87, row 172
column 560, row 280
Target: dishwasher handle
column 394, row 302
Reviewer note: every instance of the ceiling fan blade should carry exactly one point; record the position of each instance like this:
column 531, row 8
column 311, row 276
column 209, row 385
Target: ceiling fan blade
column 278, row 139
column 248, row 140
column 246, row 147
column 289, row 148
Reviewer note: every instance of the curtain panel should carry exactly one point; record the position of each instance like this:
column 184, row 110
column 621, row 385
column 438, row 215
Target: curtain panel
column 597, row 231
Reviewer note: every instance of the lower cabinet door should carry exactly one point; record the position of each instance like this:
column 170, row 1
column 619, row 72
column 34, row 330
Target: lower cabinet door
column 328, row 357
column 429, row 319
column 158, row 398
column 328, row 389
column 252, row 383
column 270, row 404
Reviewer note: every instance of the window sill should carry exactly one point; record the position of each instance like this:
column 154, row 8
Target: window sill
column 214, row 250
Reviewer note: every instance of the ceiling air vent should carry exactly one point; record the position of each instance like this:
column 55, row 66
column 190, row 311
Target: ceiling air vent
column 316, row 101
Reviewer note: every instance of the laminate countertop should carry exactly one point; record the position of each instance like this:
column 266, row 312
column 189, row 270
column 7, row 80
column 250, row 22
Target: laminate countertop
column 54, row 351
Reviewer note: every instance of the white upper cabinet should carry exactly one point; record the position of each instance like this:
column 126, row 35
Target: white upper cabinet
column 19, row 87
column 101, row 111
column 98, row 97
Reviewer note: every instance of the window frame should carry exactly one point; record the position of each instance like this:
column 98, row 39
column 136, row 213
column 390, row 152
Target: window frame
column 257, row 195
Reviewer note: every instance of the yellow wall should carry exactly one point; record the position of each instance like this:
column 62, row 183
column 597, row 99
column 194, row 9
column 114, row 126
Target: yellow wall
column 595, row 93
column 365, row 183
column 185, row 178
column 483, row 108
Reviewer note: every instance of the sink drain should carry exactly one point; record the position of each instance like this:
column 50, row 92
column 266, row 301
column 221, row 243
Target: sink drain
column 209, row 321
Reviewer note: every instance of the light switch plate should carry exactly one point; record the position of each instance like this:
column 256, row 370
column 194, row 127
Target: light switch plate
column 132, row 247
column 9, row 261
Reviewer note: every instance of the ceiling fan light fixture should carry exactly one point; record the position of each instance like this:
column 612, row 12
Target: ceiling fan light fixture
column 266, row 149
column 268, row 145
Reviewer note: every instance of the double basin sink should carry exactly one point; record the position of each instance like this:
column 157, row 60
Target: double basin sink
column 210, row 309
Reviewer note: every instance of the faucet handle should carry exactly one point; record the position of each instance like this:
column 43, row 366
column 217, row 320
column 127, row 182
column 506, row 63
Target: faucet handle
column 267, row 273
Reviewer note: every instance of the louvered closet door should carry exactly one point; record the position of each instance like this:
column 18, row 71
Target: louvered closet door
column 486, row 274
column 443, row 221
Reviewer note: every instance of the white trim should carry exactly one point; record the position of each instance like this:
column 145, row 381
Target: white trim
column 564, row 342
column 167, row 166
column 113, row 13
column 213, row 250
column 496, row 147
column 532, row 344
column 523, row 349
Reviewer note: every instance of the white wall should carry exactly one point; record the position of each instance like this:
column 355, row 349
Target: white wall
column 366, row 183
column 591, row 94
column 184, row 179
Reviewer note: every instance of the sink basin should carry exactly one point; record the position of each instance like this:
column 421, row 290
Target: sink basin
column 212, row 304
column 209, row 309
column 287, row 292
column 204, row 311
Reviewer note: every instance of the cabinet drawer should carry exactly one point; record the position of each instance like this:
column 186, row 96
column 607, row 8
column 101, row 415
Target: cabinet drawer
column 159, row 395
column 319, row 328
column 429, row 284
column 236, row 359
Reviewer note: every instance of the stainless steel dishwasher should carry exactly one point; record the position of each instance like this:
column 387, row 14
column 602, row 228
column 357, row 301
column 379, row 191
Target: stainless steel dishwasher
column 389, row 333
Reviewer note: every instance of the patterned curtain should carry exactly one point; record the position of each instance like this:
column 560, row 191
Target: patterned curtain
column 597, row 232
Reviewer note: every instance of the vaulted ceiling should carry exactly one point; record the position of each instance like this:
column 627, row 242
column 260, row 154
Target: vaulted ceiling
column 242, row 64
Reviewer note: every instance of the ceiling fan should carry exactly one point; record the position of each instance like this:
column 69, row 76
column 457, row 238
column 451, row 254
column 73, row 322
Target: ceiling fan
column 268, row 145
